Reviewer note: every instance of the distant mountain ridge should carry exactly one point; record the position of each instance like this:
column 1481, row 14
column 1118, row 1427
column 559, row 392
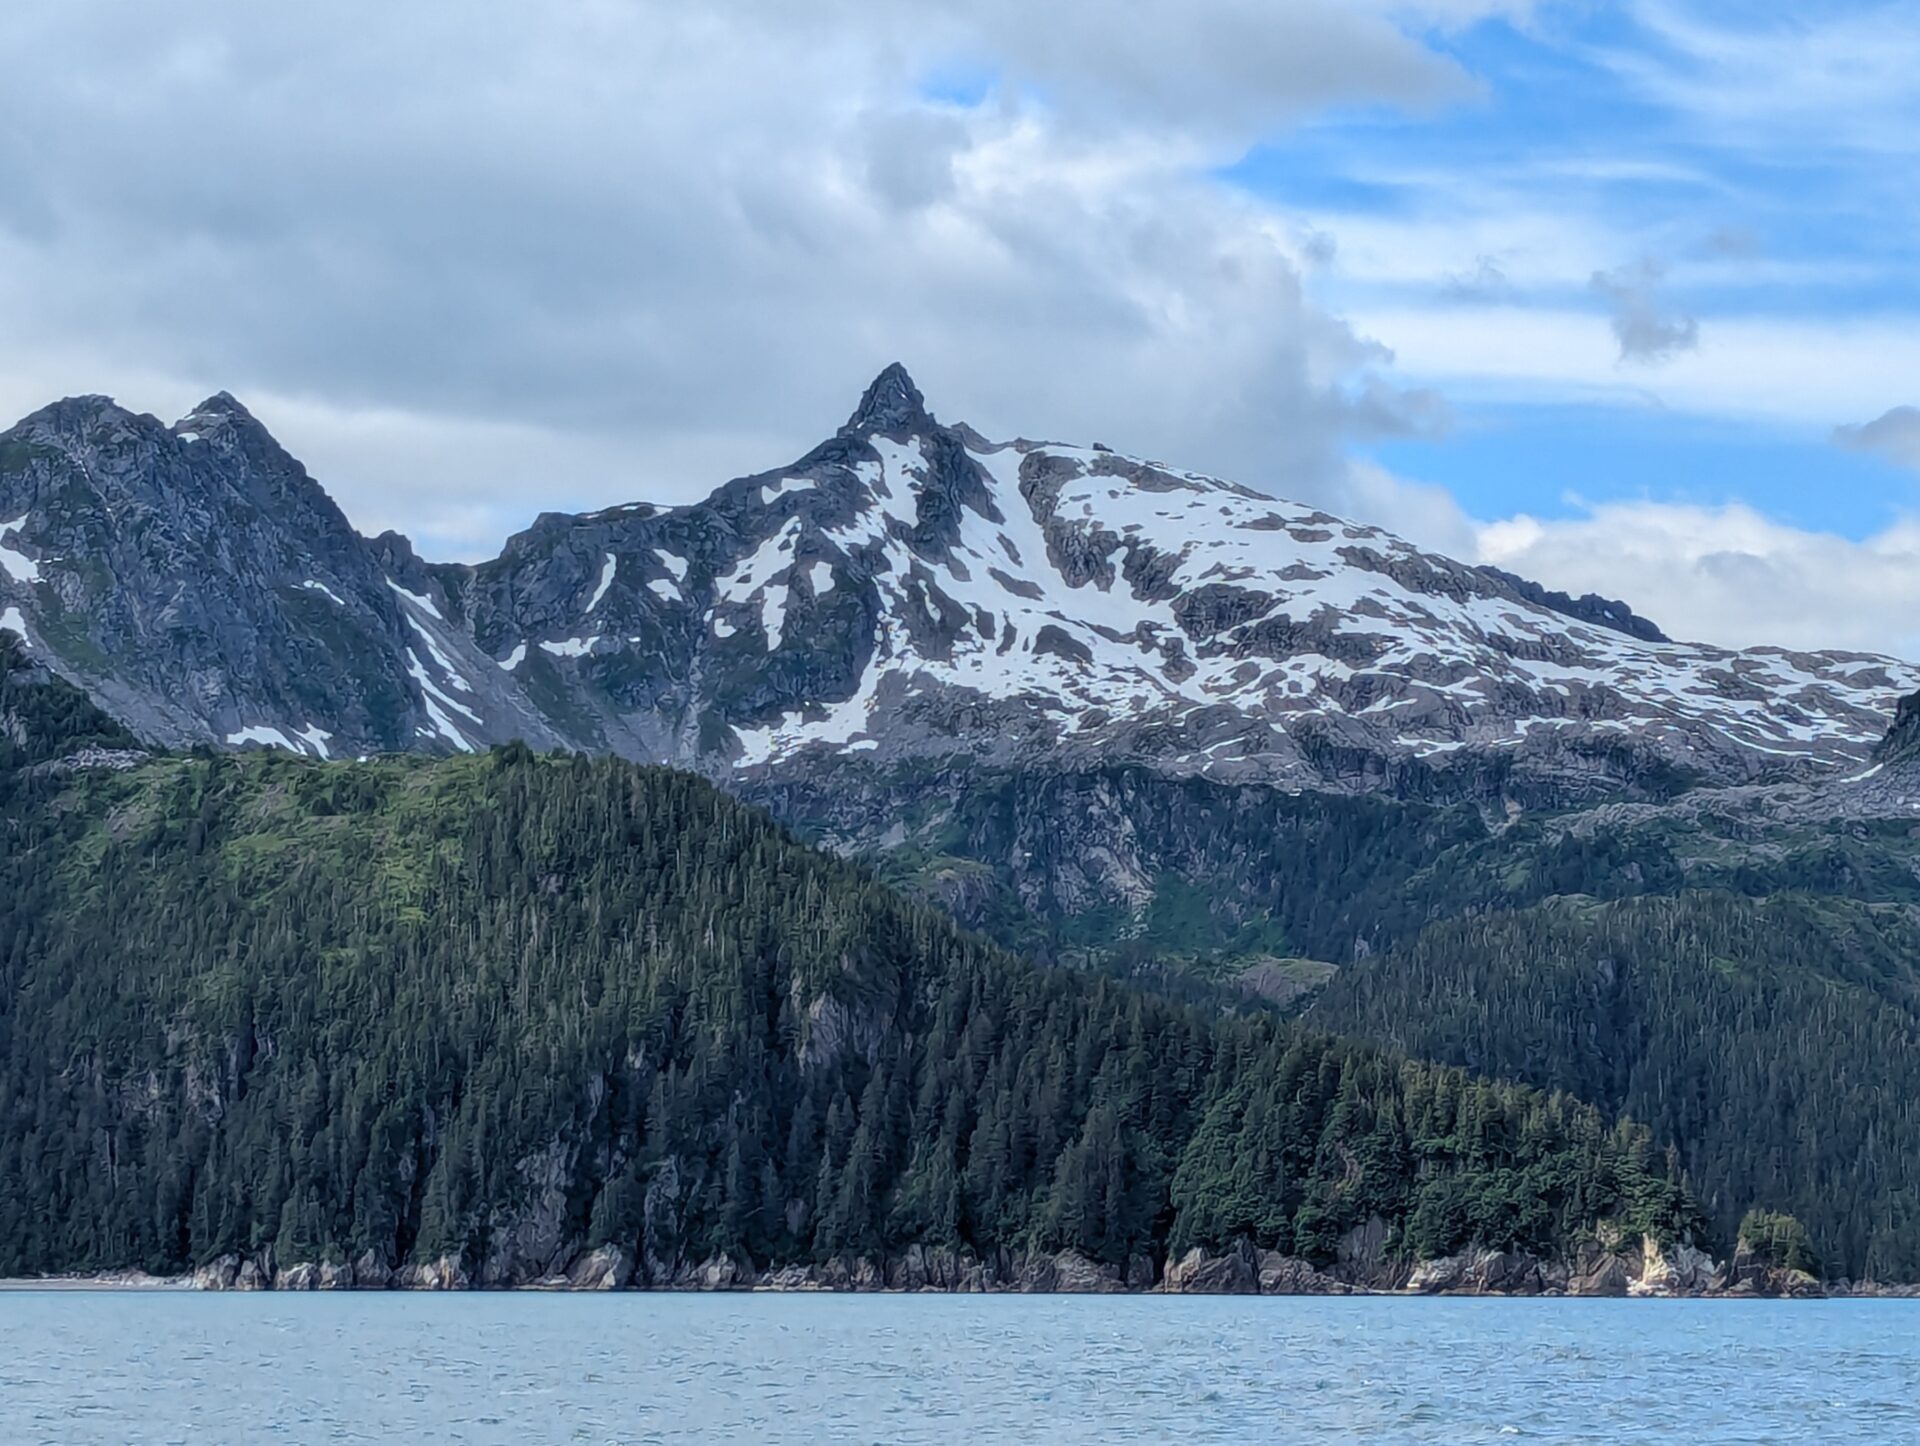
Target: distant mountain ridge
column 905, row 590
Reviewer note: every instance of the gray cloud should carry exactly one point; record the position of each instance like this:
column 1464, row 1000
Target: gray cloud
column 503, row 260
column 1732, row 242
column 910, row 155
column 1894, row 435
column 1485, row 281
column 1379, row 410
column 1645, row 329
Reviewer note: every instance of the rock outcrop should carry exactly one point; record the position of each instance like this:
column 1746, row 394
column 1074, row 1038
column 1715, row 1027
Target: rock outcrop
column 1598, row 1268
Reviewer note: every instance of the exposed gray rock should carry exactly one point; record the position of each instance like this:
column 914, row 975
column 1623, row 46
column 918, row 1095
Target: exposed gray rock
column 1285, row 1275
column 1201, row 1273
column 370, row 1272
column 1479, row 1272
column 532, row 1242
column 1750, row 1274
column 607, row 1268
column 444, row 1273
column 906, row 589
column 218, row 1274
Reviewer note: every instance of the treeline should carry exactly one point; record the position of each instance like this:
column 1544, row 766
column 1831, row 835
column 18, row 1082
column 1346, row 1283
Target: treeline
column 41, row 718
column 508, row 1008
column 1777, row 1041
column 1745, row 982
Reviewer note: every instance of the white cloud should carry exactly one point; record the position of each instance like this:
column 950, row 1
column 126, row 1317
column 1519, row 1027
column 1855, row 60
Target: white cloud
column 1727, row 575
column 472, row 259
column 1788, row 79
column 1796, row 372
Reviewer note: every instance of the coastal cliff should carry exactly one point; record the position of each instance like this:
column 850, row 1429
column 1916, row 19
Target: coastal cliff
column 1643, row 1268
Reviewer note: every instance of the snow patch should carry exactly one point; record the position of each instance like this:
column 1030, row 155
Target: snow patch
column 663, row 589
column 444, row 726
column 515, row 658
column 571, row 647
column 820, row 578
column 13, row 622
column 606, row 581
column 771, row 490
column 773, row 614
column 417, row 599
column 18, row 565
column 320, row 587
column 316, row 738
column 752, row 579
column 265, row 736
column 445, row 664
column 673, row 562
column 437, row 703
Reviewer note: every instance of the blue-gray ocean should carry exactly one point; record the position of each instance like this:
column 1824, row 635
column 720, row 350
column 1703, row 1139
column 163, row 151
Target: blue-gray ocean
column 183, row 1367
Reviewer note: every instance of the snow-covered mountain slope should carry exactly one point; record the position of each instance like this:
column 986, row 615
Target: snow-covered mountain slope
column 911, row 591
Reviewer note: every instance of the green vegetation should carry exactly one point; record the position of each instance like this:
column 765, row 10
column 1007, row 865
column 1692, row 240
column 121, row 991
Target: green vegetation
column 1777, row 1239
column 508, row 1008
column 42, row 719
column 1747, row 985
column 1775, row 1041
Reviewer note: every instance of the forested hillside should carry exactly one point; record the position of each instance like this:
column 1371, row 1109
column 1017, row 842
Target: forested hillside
column 1737, row 969
column 1776, row 1040
column 502, row 1010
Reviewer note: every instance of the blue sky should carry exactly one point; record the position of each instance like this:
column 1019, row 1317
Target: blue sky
column 1597, row 142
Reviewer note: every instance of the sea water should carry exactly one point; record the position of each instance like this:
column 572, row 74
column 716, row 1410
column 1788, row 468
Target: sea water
column 165, row 1366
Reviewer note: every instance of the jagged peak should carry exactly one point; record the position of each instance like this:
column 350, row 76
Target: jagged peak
column 67, row 411
column 220, row 409
column 892, row 403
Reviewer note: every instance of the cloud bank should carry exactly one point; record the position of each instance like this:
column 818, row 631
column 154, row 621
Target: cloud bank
column 473, row 259
column 506, row 259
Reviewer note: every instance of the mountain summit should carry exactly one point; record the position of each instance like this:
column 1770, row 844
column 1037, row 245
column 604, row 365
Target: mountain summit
column 892, row 403
column 906, row 590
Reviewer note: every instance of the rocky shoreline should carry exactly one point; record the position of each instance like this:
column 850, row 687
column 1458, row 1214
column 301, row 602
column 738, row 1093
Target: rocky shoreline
column 1596, row 1271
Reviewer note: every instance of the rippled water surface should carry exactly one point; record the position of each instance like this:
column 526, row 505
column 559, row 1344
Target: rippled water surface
column 167, row 1366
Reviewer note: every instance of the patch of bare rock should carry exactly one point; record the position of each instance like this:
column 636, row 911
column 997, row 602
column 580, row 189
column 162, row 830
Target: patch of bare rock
column 1621, row 1268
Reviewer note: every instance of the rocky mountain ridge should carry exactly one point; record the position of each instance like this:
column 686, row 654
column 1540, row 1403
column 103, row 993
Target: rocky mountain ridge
column 907, row 590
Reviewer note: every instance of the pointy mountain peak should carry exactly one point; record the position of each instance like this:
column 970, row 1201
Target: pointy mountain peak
column 892, row 404
column 220, row 409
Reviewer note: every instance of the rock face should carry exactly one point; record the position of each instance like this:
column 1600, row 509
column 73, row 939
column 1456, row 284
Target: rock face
column 906, row 590
column 1597, row 1269
column 607, row 1268
column 203, row 588
column 1750, row 1274
column 1198, row 1273
column 1902, row 743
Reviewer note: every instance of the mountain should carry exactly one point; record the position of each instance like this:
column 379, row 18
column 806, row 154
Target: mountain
column 202, row 587
column 906, row 591
column 501, row 1019
column 1136, row 721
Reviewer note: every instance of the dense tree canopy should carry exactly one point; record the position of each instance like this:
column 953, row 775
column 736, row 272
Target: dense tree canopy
column 439, row 1008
